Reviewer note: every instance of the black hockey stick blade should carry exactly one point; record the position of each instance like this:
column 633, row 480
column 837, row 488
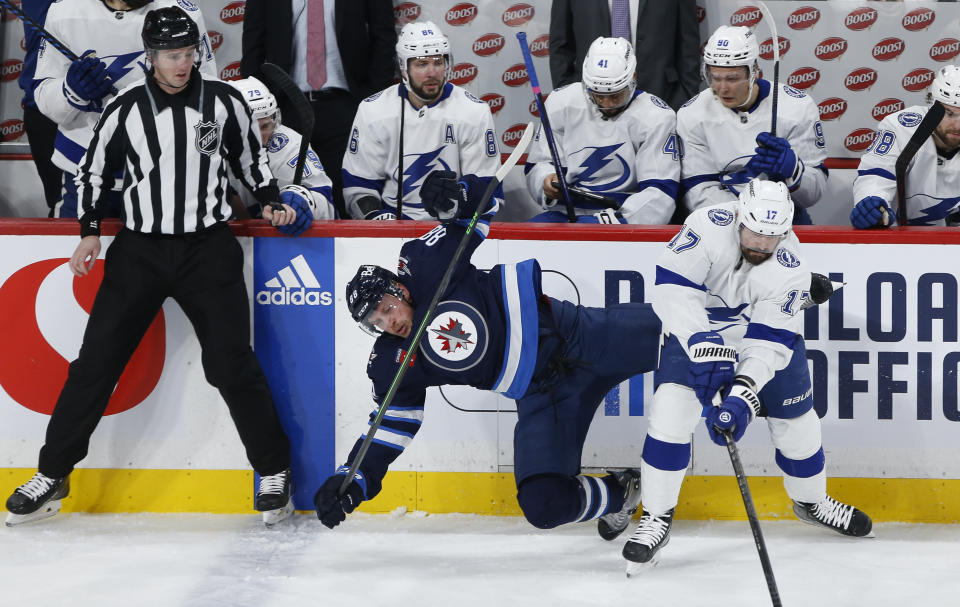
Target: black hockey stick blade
column 606, row 201
column 926, row 127
column 279, row 81
column 498, row 178
column 754, row 520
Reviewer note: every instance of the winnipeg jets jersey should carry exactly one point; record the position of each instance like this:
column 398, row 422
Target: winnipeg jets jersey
column 283, row 150
column 633, row 158
column 718, row 142
column 484, row 333
column 115, row 36
column 455, row 133
column 702, row 284
column 932, row 187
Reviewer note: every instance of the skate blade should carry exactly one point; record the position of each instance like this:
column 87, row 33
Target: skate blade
column 272, row 517
column 638, row 569
column 48, row 510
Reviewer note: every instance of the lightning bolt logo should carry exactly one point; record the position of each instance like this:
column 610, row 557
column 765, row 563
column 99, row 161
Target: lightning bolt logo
column 121, row 64
column 930, row 214
column 453, row 336
column 596, row 162
column 422, row 165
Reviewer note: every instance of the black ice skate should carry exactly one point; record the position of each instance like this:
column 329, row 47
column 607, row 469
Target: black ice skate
column 642, row 550
column 610, row 525
column 274, row 497
column 36, row 499
column 836, row 516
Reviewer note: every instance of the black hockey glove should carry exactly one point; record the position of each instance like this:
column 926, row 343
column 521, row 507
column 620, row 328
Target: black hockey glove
column 332, row 509
column 448, row 199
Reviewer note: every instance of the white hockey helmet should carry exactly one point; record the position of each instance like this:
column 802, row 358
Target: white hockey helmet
column 421, row 39
column 766, row 210
column 946, row 86
column 259, row 99
column 610, row 68
column 731, row 46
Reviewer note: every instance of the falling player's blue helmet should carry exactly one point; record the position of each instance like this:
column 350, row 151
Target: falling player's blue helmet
column 365, row 292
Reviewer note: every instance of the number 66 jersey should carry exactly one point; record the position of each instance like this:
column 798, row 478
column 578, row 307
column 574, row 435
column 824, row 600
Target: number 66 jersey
column 703, row 283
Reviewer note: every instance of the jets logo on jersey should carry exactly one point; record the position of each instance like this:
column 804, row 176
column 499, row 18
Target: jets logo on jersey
column 420, row 167
column 721, row 217
column 457, row 337
column 909, row 119
column 787, row 259
column 276, row 142
column 208, row 137
column 595, row 168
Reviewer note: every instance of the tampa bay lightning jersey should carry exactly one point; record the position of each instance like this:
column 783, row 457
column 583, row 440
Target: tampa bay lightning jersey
column 703, row 285
column 115, row 36
column 484, row 333
column 633, row 158
column 455, row 133
column 718, row 142
column 283, row 151
column 932, row 187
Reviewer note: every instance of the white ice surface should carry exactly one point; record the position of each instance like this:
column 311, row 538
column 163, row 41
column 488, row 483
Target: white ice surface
column 459, row 560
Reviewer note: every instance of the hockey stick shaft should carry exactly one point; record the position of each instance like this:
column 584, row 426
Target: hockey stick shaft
column 754, row 520
column 774, row 94
column 926, row 127
column 545, row 122
column 444, row 282
column 403, row 112
column 279, row 79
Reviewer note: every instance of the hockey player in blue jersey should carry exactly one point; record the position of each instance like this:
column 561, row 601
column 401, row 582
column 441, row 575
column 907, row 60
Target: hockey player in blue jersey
column 495, row 331
column 422, row 124
column 612, row 140
column 932, row 178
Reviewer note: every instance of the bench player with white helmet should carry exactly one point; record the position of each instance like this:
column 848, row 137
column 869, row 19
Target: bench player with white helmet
column 932, row 185
column 423, row 124
column 612, row 140
column 283, row 148
column 725, row 130
column 729, row 290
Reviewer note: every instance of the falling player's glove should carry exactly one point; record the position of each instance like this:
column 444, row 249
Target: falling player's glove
column 735, row 412
column 776, row 158
column 870, row 212
column 448, row 199
column 87, row 82
column 333, row 509
column 711, row 365
column 294, row 196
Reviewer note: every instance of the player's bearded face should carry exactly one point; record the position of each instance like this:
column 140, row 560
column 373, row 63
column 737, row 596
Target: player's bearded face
column 947, row 133
column 426, row 76
column 611, row 104
column 757, row 248
column 392, row 315
column 731, row 85
column 172, row 67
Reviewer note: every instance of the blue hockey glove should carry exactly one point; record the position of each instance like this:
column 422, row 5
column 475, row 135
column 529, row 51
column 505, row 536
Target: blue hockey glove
column 87, row 80
column 333, row 509
column 711, row 365
column 605, row 216
column 734, row 414
column 869, row 213
column 775, row 157
column 294, row 196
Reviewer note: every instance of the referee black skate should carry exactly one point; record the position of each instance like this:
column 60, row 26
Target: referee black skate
column 174, row 134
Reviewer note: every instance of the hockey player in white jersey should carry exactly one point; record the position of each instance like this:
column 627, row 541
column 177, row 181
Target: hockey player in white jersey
column 932, row 183
column 283, row 150
column 729, row 290
column 725, row 130
column 412, row 128
column 612, row 140
column 106, row 35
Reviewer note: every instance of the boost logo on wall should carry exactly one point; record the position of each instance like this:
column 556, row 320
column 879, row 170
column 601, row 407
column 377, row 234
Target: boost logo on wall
column 33, row 372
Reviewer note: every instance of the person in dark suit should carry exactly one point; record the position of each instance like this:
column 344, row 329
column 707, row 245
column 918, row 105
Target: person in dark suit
column 358, row 40
column 665, row 35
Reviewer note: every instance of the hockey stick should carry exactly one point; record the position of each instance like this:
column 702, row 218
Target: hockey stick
column 774, row 94
column 27, row 20
column 277, row 79
column 498, row 178
column 754, row 520
column 545, row 121
column 926, row 127
column 403, row 112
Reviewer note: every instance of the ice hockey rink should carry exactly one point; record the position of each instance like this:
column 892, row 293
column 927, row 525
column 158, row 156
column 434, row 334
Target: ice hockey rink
column 459, row 560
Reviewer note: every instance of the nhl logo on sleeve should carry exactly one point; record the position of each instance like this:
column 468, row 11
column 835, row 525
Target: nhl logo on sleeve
column 208, row 137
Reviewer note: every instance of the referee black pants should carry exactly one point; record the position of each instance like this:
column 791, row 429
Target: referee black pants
column 203, row 272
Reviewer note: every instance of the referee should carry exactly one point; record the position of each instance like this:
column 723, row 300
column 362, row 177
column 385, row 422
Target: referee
column 175, row 133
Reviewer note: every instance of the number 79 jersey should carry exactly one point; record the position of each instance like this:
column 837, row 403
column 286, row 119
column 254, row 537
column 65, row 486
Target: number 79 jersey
column 704, row 284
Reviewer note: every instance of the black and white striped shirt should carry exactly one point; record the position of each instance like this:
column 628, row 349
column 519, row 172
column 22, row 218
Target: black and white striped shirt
column 173, row 152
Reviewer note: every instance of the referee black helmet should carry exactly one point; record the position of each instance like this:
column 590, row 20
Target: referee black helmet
column 169, row 28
